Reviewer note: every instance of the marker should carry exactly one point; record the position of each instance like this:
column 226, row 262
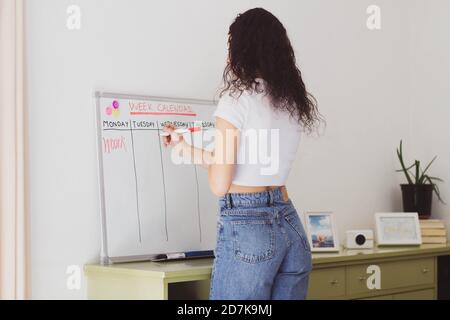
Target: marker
column 185, row 255
column 188, row 130
column 182, row 131
column 207, row 253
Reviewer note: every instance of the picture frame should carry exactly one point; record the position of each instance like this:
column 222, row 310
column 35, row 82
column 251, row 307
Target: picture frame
column 397, row 228
column 321, row 231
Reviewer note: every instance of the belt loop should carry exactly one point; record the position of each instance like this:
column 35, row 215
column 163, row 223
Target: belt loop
column 229, row 204
column 270, row 198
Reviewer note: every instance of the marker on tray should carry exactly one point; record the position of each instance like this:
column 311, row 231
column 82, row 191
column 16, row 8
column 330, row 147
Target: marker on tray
column 184, row 255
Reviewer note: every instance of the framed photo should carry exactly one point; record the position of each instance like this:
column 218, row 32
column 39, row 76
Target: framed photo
column 397, row 228
column 321, row 231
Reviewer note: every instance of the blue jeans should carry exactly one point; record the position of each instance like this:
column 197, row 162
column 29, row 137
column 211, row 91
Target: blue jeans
column 262, row 252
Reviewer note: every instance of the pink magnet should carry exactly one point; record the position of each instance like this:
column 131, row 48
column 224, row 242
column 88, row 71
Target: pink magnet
column 115, row 104
column 109, row 111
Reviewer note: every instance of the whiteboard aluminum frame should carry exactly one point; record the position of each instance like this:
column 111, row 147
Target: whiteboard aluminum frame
column 105, row 258
column 112, row 95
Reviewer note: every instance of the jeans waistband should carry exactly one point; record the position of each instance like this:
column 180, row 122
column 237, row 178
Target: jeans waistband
column 265, row 198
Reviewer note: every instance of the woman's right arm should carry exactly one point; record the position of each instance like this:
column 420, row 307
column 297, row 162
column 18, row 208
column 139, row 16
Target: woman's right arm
column 221, row 162
column 221, row 171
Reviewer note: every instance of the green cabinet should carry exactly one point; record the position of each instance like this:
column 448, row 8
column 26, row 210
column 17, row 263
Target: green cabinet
column 382, row 273
column 393, row 274
column 405, row 273
column 327, row 283
column 428, row 294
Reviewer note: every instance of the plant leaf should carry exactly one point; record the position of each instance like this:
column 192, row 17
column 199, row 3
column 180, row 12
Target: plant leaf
column 428, row 166
column 435, row 189
column 402, row 163
column 438, row 193
column 435, row 178
column 417, row 172
column 409, row 168
column 426, row 169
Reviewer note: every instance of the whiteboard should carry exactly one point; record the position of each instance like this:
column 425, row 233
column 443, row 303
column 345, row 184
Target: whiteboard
column 150, row 204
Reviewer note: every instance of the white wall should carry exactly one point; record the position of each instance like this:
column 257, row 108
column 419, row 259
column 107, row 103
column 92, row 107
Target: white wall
column 362, row 80
column 430, row 100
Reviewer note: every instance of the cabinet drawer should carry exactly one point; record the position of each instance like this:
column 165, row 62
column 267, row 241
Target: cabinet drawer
column 396, row 274
column 327, row 283
column 416, row 295
column 387, row 297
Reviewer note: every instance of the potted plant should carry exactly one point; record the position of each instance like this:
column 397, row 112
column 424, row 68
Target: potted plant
column 417, row 194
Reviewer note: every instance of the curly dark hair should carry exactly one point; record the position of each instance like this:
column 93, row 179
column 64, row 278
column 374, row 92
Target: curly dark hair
column 259, row 47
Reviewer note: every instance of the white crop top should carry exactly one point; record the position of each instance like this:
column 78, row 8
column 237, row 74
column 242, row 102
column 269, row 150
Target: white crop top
column 269, row 138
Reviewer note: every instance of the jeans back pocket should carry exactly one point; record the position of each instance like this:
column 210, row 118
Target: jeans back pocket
column 254, row 240
column 294, row 221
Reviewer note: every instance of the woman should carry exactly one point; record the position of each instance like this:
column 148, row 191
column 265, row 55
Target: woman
column 262, row 251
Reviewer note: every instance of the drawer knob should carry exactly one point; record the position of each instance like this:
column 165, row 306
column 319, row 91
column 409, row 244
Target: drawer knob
column 425, row 270
column 334, row 282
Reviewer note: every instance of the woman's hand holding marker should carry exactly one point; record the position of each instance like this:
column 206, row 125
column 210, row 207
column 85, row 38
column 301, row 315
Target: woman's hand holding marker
column 171, row 136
